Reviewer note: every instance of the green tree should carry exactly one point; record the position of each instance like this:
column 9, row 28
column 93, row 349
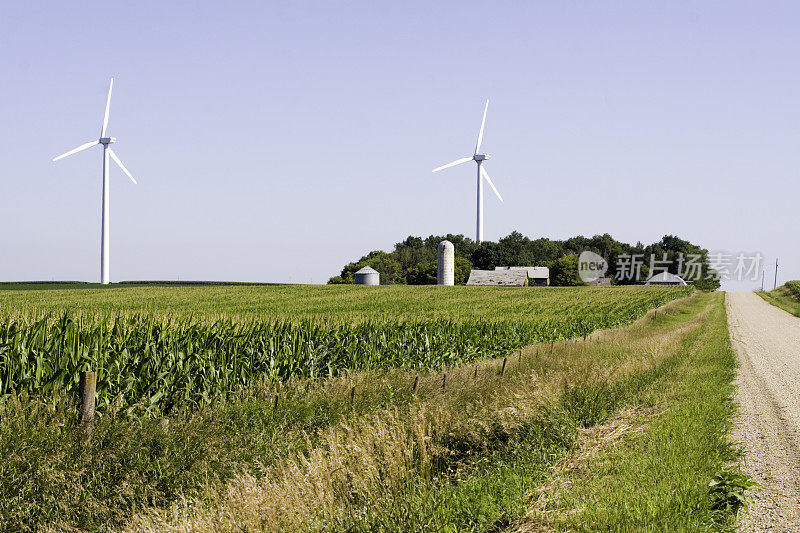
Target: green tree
column 463, row 266
column 414, row 259
column 486, row 256
column 422, row 274
column 564, row 272
column 388, row 268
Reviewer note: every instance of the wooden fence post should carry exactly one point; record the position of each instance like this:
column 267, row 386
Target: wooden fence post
column 414, row 388
column 88, row 388
column 475, row 375
column 444, row 380
column 352, row 395
column 503, row 370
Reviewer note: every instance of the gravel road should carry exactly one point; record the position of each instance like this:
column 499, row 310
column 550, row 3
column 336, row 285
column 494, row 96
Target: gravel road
column 767, row 340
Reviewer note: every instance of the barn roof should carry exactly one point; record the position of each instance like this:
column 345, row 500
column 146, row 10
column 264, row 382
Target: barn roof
column 665, row 278
column 502, row 278
column 367, row 270
column 533, row 272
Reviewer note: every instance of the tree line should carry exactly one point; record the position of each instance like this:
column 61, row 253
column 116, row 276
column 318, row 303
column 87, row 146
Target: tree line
column 413, row 261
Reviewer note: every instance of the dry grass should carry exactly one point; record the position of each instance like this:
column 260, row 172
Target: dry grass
column 649, row 469
column 592, row 443
column 362, row 464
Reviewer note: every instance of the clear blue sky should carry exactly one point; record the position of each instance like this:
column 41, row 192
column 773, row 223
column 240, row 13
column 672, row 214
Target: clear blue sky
column 277, row 141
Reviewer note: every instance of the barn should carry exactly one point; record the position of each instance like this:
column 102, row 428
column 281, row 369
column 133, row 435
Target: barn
column 498, row 278
column 665, row 278
column 537, row 276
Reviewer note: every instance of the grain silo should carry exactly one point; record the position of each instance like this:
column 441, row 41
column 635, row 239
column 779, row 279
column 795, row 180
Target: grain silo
column 446, row 272
column 367, row 276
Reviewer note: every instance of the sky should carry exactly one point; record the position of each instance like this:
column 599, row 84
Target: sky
column 277, row 141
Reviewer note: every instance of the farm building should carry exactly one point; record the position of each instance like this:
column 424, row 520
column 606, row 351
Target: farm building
column 665, row 278
column 367, row 276
column 500, row 278
column 537, row 276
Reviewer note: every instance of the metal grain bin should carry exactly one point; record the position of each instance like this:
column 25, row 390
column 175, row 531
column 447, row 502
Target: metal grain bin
column 367, row 276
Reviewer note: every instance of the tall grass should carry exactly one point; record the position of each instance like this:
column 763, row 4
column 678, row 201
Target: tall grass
column 459, row 458
column 794, row 287
column 786, row 297
column 453, row 460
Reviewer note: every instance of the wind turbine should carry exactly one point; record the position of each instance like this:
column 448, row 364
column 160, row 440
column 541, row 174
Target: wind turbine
column 107, row 151
column 479, row 159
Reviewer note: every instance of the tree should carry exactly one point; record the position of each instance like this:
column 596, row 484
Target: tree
column 387, row 267
column 462, row 269
column 486, row 256
column 413, row 260
column 422, row 274
column 564, row 272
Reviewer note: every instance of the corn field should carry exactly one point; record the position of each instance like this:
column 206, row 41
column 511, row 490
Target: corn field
column 163, row 359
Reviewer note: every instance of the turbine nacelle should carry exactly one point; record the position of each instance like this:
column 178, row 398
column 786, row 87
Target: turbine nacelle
column 107, row 140
column 480, row 157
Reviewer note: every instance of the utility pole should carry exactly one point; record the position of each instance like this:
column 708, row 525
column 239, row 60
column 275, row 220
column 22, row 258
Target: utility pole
column 762, row 280
column 776, row 274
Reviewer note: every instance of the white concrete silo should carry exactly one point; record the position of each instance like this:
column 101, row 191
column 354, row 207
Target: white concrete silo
column 446, row 271
column 367, row 276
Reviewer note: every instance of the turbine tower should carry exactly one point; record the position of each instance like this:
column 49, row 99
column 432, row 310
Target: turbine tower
column 479, row 159
column 107, row 151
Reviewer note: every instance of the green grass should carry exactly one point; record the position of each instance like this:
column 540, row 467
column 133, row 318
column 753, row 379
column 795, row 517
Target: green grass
column 493, row 448
column 490, row 442
column 786, row 297
column 659, row 477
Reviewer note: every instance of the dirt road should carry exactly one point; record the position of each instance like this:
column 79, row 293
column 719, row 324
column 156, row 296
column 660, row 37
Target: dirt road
column 767, row 340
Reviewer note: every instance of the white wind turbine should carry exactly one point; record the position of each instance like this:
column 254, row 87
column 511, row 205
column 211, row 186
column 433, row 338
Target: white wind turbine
column 107, row 151
column 479, row 159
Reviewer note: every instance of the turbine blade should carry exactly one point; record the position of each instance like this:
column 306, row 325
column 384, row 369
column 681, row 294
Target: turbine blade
column 76, row 150
column 108, row 106
column 485, row 175
column 117, row 161
column 454, row 163
column 483, row 123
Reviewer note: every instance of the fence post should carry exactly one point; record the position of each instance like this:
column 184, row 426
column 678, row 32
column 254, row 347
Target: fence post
column 503, row 370
column 87, row 390
column 475, row 375
column 414, row 388
column 444, row 380
column 352, row 395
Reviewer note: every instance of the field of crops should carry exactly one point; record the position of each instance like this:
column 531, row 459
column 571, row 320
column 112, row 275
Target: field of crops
column 174, row 347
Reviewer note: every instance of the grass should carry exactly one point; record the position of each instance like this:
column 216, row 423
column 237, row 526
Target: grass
column 392, row 449
column 465, row 460
column 786, row 297
column 658, row 473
